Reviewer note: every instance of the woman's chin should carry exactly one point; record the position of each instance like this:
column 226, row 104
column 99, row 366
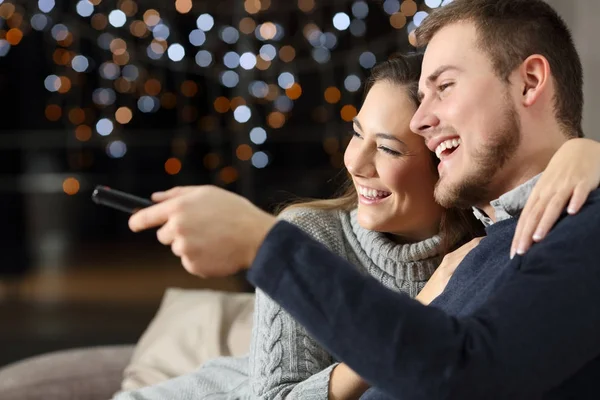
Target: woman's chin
column 367, row 221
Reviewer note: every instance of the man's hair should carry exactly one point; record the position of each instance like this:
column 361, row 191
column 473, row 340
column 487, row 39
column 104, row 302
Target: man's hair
column 509, row 31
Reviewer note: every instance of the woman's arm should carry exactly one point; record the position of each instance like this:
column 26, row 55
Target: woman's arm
column 573, row 172
column 285, row 361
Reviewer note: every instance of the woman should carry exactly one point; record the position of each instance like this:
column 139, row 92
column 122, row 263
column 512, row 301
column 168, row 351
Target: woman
column 386, row 223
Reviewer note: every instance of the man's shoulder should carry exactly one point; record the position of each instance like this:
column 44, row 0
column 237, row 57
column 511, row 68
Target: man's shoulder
column 577, row 233
column 589, row 212
column 594, row 198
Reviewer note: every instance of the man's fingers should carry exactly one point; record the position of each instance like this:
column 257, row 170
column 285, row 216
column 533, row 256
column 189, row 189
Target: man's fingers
column 149, row 217
column 171, row 193
column 166, row 234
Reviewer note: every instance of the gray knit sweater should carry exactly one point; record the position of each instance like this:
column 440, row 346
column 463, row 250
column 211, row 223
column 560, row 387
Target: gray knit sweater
column 284, row 361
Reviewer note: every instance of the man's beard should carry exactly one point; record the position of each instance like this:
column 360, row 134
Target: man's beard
column 474, row 188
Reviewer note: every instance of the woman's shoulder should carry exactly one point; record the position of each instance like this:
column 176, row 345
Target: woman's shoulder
column 322, row 224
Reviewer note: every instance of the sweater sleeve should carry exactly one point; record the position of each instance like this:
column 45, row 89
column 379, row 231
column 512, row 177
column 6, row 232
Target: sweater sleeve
column 524, row 341
column 285, row 361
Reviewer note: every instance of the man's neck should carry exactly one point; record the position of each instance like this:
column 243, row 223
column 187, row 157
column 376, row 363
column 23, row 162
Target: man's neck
column 520, row 171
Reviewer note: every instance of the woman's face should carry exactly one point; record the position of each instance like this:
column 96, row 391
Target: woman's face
column 392, row 168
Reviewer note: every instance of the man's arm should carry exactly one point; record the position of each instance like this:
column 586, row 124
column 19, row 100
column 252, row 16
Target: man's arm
column 538, row 330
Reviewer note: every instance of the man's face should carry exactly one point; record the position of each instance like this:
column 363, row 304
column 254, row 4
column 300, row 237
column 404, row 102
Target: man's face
column 466, row 116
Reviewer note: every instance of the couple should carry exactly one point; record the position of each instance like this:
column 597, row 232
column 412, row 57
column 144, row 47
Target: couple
column 497, row 101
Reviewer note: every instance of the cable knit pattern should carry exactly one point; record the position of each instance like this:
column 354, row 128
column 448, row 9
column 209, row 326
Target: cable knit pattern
column 284, row 361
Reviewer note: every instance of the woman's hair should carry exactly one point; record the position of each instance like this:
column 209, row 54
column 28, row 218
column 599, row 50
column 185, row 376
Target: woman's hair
column 457, row 226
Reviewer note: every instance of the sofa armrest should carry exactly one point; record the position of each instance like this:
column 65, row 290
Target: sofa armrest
column 92, row 373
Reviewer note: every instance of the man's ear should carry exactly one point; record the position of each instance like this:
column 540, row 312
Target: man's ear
column 535, row 75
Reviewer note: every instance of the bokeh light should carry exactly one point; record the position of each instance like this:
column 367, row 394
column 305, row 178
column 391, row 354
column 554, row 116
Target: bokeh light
column 84, row 8
column 258, row 135
column 244, row 152
column 341, row 21
column 242, row 114
column 173, row 166
column 332, row 95
column 205, row 22
column 348, row 112
column 116, row 149
column 260, row 159
column 117, row 18
column 123, row 115
column 352, row 83
column 360, row 9
column 104, row 127
column 71, row 186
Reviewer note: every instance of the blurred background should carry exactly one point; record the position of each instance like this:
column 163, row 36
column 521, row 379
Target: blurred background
column 251, row 95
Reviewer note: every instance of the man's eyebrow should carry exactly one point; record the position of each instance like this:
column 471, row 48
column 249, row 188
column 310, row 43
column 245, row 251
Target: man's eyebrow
column 386, row 136
column 435, row 75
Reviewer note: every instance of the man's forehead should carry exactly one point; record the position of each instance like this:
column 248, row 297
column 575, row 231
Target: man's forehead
column 452, row 45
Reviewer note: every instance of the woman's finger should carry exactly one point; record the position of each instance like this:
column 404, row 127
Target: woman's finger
column 550, row 215
column 521, row 232
column 580, row 195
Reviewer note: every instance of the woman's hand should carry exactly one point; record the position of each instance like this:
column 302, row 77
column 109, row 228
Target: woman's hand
column 345, row 384
column 573, row 172
column 438, row 281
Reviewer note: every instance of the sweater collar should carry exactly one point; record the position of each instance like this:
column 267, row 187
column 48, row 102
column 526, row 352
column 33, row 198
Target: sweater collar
column 382, row 250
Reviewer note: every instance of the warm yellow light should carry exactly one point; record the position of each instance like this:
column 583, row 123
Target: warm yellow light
column 83, row 133
column 275, row 119
column 222, row 104
column 183, row 6
column 173, row 166
column 123, row 115
column 228, row 175
column 71, row 186
column 332, row 95
column 244, row 152
column 294, row 92
column 189, row 88
column 287, row 53
column 348, row 112
column 14, row 36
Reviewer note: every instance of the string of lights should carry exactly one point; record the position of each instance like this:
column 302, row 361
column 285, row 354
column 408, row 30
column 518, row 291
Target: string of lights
column 249, row 69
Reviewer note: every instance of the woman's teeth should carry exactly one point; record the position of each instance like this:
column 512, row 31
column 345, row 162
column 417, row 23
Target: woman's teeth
column 372, row 193
column 445, row 145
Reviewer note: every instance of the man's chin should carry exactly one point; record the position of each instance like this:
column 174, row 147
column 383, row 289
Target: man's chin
column 444, row 193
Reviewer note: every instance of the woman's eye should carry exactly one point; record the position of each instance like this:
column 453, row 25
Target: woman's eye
column 390, row 151
column 443, row 87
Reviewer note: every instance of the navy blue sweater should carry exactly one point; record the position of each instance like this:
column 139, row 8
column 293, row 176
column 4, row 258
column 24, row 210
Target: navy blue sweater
column 526, row 328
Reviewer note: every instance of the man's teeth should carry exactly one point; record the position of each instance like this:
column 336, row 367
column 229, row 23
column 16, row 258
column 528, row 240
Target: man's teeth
column 447, row 144
column 372, row 193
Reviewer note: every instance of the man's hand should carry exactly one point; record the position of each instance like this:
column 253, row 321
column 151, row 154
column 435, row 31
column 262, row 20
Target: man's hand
column 215, row 232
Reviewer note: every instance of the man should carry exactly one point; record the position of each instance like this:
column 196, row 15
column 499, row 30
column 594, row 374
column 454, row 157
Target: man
column 502, row 76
